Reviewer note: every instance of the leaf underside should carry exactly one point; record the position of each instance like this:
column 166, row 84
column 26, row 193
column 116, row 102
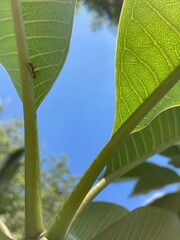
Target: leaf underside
column 148, row 50
column 144, row 224
column 169, row 202
column 161, row 133
column 137, row 172
column 174, row 154
column 95, row 218
column 48, row 27
column 155, row 179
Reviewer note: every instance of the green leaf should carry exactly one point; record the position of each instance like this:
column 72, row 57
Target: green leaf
column 173, row 153
column 169, row 202
column 48, row 27
column 95, row 218
column 137, row 172
column 148, row 50
column 149, row 177
column 155, row 179
column 144, row 224
column 10, row 166
column 161, row 133
column 4, row 237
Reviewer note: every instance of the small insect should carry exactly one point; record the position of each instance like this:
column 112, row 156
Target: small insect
column 32, row 70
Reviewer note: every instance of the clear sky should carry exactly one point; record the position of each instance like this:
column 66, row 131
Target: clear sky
column 77, row 116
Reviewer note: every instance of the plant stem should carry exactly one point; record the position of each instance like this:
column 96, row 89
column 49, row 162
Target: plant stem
column 105, row 181
column 33, row 212
column 61, row 224
column 94, row 191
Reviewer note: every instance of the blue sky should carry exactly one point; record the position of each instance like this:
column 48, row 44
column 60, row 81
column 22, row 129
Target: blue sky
column 76, row 118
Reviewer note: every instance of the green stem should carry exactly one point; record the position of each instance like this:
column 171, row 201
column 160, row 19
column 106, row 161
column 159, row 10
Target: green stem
column 33, row 212
column 104, row 182
column 60, row 226
column 95, row 190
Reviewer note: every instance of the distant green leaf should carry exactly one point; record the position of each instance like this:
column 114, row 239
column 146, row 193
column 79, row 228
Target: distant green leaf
column 8, row 169
column 161, row 133
column 10, row 166
column 175, row 162
column 148, row 50
column 4, row 237
column 173, row 153
column 149, row 177
column 144, row 224
column 169, row 202
column 155, row 179
column 48, row 26
column 95, row 218
column 137, row 172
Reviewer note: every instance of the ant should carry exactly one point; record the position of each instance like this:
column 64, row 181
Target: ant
column 32, row 70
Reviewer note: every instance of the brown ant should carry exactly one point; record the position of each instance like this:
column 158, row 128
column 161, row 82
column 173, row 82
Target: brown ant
column 32, row 70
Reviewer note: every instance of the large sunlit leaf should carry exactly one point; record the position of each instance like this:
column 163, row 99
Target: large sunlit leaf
column 169, row 202
column 144, row 224
column 161, row 133
column 95, row 218
column 148, row 50
column 48, row 26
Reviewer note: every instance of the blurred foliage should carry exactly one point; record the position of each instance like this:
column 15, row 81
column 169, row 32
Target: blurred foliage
column 57, row 181
column 153, row 179
column 11, row 190
column 10, row 135
column 174, row 154
column 10, row 166
column 102, row 12
column 150, row 177
column 169, row 202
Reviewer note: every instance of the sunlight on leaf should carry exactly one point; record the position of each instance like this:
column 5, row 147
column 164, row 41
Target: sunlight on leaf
column 48, row 26
column 148, row 50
